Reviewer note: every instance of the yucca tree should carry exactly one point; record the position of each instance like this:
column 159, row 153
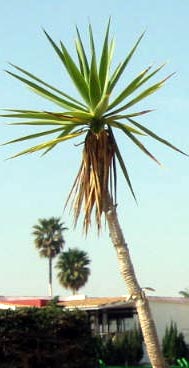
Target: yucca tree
column 49, row 240
column 73, row 269
column 94, row 119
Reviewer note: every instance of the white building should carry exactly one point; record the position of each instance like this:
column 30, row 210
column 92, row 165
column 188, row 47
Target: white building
column 165, row 310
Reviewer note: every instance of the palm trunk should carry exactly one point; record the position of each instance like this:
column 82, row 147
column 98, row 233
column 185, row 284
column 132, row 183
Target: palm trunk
column 136, row 293
column 50, row 277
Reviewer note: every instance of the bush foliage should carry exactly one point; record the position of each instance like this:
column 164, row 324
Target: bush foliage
column 124, row 349
column 46, row 337
column 174, row 346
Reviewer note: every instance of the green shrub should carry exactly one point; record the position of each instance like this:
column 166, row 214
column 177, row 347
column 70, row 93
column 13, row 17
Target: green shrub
column 46, row 337
column 133, row 341
column 122, row 349
column 174, row 346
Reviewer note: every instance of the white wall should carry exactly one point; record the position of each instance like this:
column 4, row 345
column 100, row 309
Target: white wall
column 7, row 306
column 166, row 311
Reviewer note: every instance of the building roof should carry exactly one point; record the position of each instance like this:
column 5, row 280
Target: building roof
column 86, row 303
column 94, row 303
column 23, row 302
column 168, row 299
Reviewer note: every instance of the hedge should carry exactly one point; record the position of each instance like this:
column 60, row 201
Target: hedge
column 46, row 337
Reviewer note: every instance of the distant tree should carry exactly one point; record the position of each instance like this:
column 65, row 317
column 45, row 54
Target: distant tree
column 73, row 270
column 49, row 241
column 184, row 293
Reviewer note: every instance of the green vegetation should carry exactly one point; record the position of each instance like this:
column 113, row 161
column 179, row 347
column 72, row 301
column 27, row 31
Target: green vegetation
column 46, row 338
column 125, row 349
column 73, row 270
column 49, row 241
column 174, row 346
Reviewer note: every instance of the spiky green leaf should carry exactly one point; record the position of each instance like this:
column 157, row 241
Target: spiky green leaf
column 149, row 76
column 55, row 47
column 31, row 114
column 36, row 123
column 63, row 134
column 150, row 90
column 101, row 107
column 105, row 60
column 136, row 141
column 132, row 87
column 156, row 137
column 120, row 69
column 32, row 136
column 128, row 127
column 122, row 164
column 48, row 144
column 75, row 74
column 94, row 84
column 82, row 57
column 45, row 93
column 78, row 103
column 92, row 43
column 111, row 118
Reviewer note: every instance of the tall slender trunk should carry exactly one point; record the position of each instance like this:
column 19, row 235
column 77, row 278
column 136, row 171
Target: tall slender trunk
column 136, row 293
column 50, row 277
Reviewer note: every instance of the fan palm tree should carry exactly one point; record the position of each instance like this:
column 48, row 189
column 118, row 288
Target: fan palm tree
column 96, row 118
column 49, row 241
column 73, row 270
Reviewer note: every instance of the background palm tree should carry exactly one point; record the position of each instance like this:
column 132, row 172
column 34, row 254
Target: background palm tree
column 96, row 117
column 184, row 293
column 49, row 241
column 73, row 270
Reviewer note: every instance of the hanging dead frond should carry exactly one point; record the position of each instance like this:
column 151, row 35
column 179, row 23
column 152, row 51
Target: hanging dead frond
column 96, row 177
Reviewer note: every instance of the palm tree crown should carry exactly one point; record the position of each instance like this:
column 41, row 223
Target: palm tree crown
column 96, row 116
column 48, row 237
column 73, row 269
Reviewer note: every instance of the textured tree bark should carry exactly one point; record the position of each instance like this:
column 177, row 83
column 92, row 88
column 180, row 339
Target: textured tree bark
column 136, row 293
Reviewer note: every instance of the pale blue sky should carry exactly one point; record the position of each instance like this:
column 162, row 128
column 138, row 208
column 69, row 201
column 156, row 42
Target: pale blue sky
column 32, row 187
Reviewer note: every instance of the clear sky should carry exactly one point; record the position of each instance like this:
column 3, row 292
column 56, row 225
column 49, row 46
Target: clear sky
column 157, row 229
